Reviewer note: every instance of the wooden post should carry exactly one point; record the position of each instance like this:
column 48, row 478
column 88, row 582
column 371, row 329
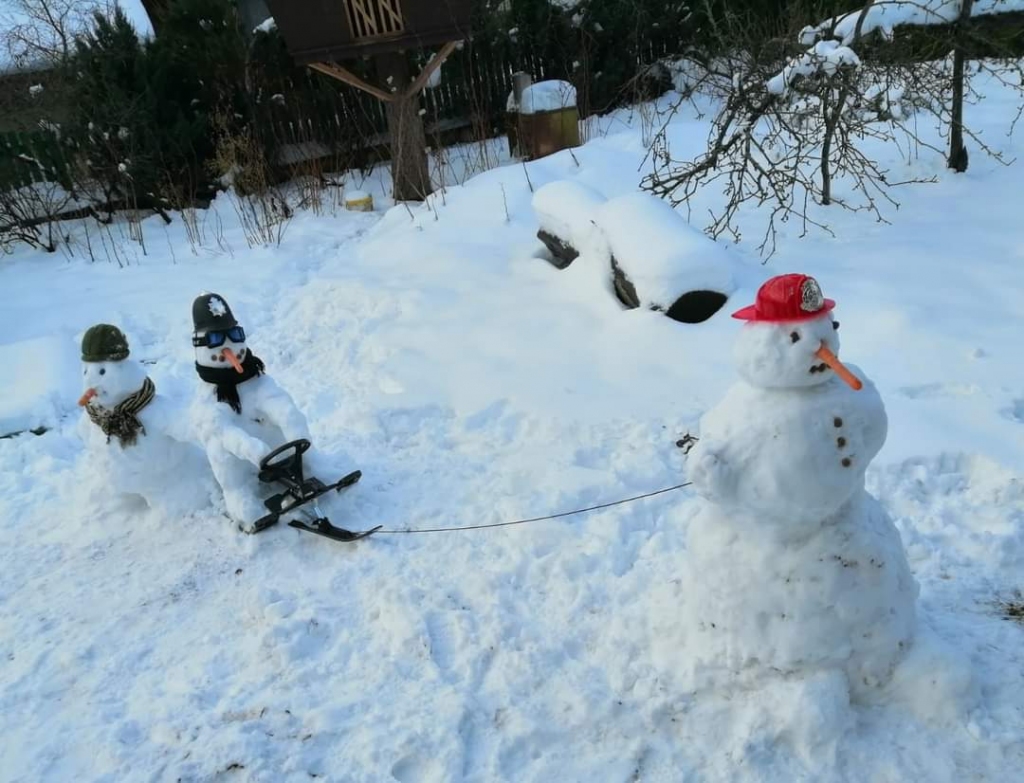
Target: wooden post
column 957, row 150
column 409, row 171
column 400, row 94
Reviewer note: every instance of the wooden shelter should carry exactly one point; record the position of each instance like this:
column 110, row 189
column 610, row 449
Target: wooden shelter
column 333, row 30
column 321, row 33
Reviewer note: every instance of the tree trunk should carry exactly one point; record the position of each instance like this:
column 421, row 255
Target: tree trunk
column 957, row 151
column 832, row 120
column 409, row 170
column 156, row 10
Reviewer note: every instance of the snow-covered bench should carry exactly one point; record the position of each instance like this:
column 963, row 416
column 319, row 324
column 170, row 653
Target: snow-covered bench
column 661, row 262
column 655, row 258
column 565, row 210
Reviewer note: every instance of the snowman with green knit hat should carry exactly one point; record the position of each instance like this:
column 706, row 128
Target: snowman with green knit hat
column 138, row 437
column 241, row 416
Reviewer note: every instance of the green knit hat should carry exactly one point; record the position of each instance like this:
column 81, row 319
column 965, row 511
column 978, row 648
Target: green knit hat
column 104, row 343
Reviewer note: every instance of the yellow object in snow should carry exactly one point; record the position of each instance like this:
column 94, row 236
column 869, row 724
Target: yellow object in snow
column 359, row 202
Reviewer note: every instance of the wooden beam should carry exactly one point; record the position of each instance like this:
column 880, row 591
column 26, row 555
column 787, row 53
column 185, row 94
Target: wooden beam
column 432, row 66
column 344, row 75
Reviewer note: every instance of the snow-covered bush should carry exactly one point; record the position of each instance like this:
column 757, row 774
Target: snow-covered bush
column 794, row 115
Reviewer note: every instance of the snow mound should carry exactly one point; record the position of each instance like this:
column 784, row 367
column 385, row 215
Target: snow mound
column 660, row 253
column 47, row 387
column 548, row 95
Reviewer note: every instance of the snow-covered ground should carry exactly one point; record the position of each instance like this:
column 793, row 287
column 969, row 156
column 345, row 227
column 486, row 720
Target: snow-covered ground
column 473, row 383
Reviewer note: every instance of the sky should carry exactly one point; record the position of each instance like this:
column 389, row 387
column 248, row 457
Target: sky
column 11, row 15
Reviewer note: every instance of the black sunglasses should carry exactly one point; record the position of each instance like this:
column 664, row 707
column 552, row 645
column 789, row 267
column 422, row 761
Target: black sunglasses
column 216, row 339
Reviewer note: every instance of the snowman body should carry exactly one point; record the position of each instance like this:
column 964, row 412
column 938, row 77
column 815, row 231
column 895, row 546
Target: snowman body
column 791, row 566
column 162, row 465
column 790, row 457
column 235, row 442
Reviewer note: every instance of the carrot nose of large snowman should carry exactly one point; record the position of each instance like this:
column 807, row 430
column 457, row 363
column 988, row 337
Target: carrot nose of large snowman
column 86, row 398
column 228, row 354
column 838, row 367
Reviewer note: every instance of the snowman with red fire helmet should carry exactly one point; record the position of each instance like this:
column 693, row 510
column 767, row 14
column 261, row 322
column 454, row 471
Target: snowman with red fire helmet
column 791, row 441
column 791, row 565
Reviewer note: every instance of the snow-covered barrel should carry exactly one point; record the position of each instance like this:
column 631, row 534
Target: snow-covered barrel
column 545, row 118
column 565, row 210
column 661, row 262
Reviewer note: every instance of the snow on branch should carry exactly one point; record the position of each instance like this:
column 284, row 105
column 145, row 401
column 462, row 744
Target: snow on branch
column 885, row 16
column 825, row 58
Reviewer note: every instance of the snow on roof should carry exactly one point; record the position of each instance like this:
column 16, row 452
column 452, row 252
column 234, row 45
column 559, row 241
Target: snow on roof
column 661, row 254
column 543, row 96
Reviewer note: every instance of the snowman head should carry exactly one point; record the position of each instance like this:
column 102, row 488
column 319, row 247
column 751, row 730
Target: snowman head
column 109, row 376
column 218, row 339
column 790, row 339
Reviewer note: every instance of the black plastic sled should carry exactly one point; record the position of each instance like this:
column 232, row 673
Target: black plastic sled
column 283, row 466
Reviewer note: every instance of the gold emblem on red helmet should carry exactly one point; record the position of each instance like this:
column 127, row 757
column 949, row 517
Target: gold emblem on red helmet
column 811, row 298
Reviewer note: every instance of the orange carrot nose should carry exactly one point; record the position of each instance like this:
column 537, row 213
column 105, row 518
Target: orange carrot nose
column 85, row 398
column 228, row 354
column 838, row 368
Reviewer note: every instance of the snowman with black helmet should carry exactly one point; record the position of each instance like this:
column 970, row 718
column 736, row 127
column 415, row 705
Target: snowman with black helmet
column 241, row 414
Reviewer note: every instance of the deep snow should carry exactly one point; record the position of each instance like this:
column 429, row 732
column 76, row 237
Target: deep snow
column 472, row 382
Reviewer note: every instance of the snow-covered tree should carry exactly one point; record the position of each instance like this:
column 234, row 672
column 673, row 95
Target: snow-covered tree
column 791, row 121
column 42, row 32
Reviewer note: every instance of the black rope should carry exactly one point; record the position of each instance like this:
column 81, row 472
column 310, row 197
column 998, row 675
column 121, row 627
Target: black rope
column 540, row 519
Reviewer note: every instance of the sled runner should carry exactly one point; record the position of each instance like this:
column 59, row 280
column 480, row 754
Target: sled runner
column 283, row 466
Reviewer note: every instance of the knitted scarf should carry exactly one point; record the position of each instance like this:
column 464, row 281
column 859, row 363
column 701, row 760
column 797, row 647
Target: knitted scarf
column 227, row 380
column 121, row 421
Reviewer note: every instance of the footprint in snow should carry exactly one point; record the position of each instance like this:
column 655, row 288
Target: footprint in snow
column 414, row 768
column 928, row 391
column 440, row 633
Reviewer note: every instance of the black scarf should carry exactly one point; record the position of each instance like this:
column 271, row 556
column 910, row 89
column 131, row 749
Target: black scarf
column 121, row 421
column 227, row 380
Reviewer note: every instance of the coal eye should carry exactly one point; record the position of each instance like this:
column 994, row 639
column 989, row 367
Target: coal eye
column 794, row 336
column 835, row 324
column 103, row 371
